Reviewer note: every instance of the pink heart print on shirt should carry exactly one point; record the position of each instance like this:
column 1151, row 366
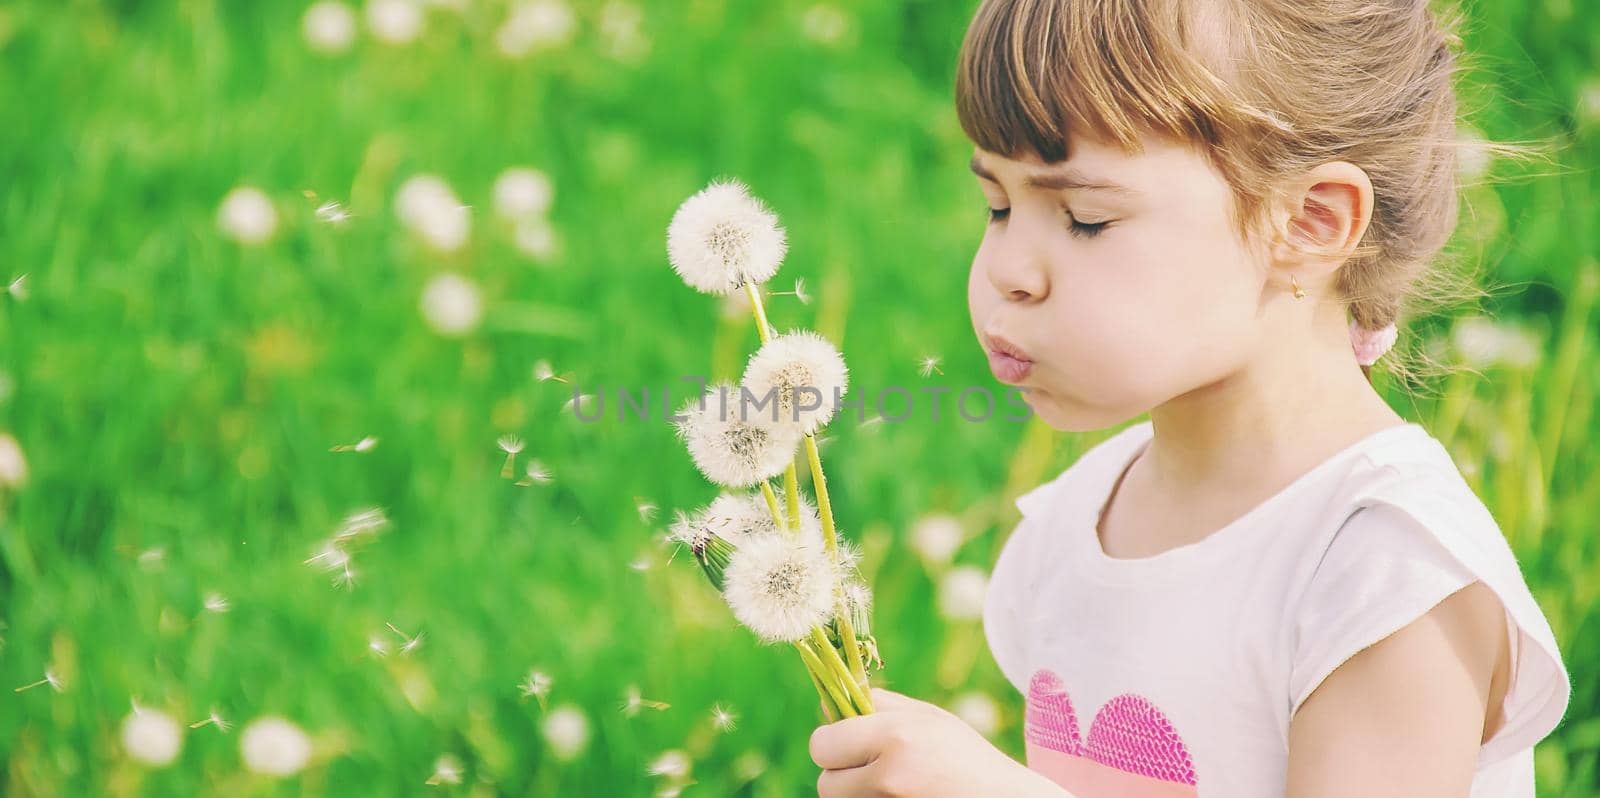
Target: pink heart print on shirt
column 1132, row 749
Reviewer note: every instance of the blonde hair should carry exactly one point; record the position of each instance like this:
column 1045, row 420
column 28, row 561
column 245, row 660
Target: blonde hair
column 1265, row 88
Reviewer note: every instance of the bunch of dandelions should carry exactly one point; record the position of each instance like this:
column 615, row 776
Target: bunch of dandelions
column 779, row 563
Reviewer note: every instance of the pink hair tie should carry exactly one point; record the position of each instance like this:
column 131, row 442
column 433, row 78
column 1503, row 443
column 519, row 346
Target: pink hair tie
column 1371, row 344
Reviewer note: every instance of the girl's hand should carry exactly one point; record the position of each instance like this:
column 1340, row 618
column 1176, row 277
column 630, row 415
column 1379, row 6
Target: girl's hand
column 915, row 749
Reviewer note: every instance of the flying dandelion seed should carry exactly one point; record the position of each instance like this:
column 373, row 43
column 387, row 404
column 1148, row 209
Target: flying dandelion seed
column 535, row 474
column 394, row 21
column 451, row 304
column 378, row 646
column 635, row 702
column 536, row 686
column 215, row 602
column 411, row 643
column 511, row 445
column 213, row 719
column 366, row 444
column 50, row 678
column 18, row 289
column 152, row 559
column 346, row 578
column 522, row 192
column 247, row 216
column 723, row 719
column 329, row 27
column 779, row 587
column 799, row 292
column 446, row 770
column 641, row 563
column 331, row 212
column 369, row 519
column 722, row 237
column 151, row 737
column 672, row 764
column 803, row 372
column 731, row 442
column 930, row 365
column 566, row 730
column 544, row 372
column 646, row 510
column 273, row 746
column 579, row 404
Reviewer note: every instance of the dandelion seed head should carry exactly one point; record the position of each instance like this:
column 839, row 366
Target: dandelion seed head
column 723, row 719
column 731, row 443
column 936, row 538
column 722, row 237
column 543, row 371
column 247, row 215
column 273, row 746
column 737, row 517
column 510, row 444
column 537, row 684
column 151, row 737
column 451, row 304
column 799, row 369
column 329, row 27
column 430, row 208
column 961, row 593
column 779, row 587
column 566, row 731
column 394, row 21
column 929, row 365
column 522, row 192
column 13, row 466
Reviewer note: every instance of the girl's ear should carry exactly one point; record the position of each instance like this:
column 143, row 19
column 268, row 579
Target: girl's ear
column 1329, row 209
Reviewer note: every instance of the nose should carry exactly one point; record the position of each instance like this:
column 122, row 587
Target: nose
column 1014, row 266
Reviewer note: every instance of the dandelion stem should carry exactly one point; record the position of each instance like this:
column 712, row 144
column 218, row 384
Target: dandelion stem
column 847, row 630
column 791, row 490
column 761, row 313
column 772, row 502
column 823, row 675
column 830, row 658
column 828, row 707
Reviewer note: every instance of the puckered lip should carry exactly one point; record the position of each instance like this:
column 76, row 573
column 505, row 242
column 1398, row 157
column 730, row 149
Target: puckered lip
column 996, row 343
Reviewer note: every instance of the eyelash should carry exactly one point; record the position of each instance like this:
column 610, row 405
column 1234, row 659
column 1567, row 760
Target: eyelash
column 1076, row 228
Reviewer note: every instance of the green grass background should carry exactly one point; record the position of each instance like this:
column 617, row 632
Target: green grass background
column 176, row 391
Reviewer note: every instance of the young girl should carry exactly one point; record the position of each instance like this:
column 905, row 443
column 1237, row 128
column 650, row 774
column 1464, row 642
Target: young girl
column 1214, row 212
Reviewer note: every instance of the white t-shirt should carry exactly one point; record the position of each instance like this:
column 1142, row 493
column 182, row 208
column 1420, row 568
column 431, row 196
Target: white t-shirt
column 1177, row 674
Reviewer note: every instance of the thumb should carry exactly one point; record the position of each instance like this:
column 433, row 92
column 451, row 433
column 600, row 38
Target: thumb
column 889, row 700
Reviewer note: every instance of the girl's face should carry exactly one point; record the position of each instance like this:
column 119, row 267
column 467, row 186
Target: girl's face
column 1117, row 281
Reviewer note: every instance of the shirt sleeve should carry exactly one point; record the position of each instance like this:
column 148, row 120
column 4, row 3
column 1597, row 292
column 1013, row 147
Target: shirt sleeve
column 1004, row 607
column 1381, row 571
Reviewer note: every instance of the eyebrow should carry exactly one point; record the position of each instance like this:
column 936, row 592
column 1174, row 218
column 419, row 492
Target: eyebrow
column 1054, row 180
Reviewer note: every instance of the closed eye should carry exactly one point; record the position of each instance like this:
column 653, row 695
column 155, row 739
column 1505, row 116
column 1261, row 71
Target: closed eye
column 998, row 214
column 1087, row 229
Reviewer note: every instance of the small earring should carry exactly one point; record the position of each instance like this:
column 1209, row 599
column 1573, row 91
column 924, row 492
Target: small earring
column 1295, row 284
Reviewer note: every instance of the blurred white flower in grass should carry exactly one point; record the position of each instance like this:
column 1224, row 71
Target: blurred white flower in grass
column 1484, row 343
column 522, row 192
column 446, row 770
column 18, row 289
column 1588, row 105
column 536, row 686
column 723, row 719
column 537, row 238
column 329, row 27
column 535, row 25
column 673, row 764
column 395, row 21
column 798, row 375
column 216, row 602
column 722, row 237
column 961, row 593
column 622, row 31
column 430, row 208
column 750, row 765
column 151, row 737
column 928, row 365
column 1473, row 156
column 825, row 24
column 978, row 710
column 936, row 538
column 732, row 443
column 13, row 466
column 247, row 216
column 273, row 746
column 451, row 304
column 779, row 586
column 566, row 731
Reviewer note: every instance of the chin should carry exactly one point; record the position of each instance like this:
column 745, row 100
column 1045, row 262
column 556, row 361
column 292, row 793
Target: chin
column 1065, row 413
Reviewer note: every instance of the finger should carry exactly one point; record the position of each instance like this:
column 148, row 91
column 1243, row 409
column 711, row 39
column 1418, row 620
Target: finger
column 847, row 783
column 848, row 743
